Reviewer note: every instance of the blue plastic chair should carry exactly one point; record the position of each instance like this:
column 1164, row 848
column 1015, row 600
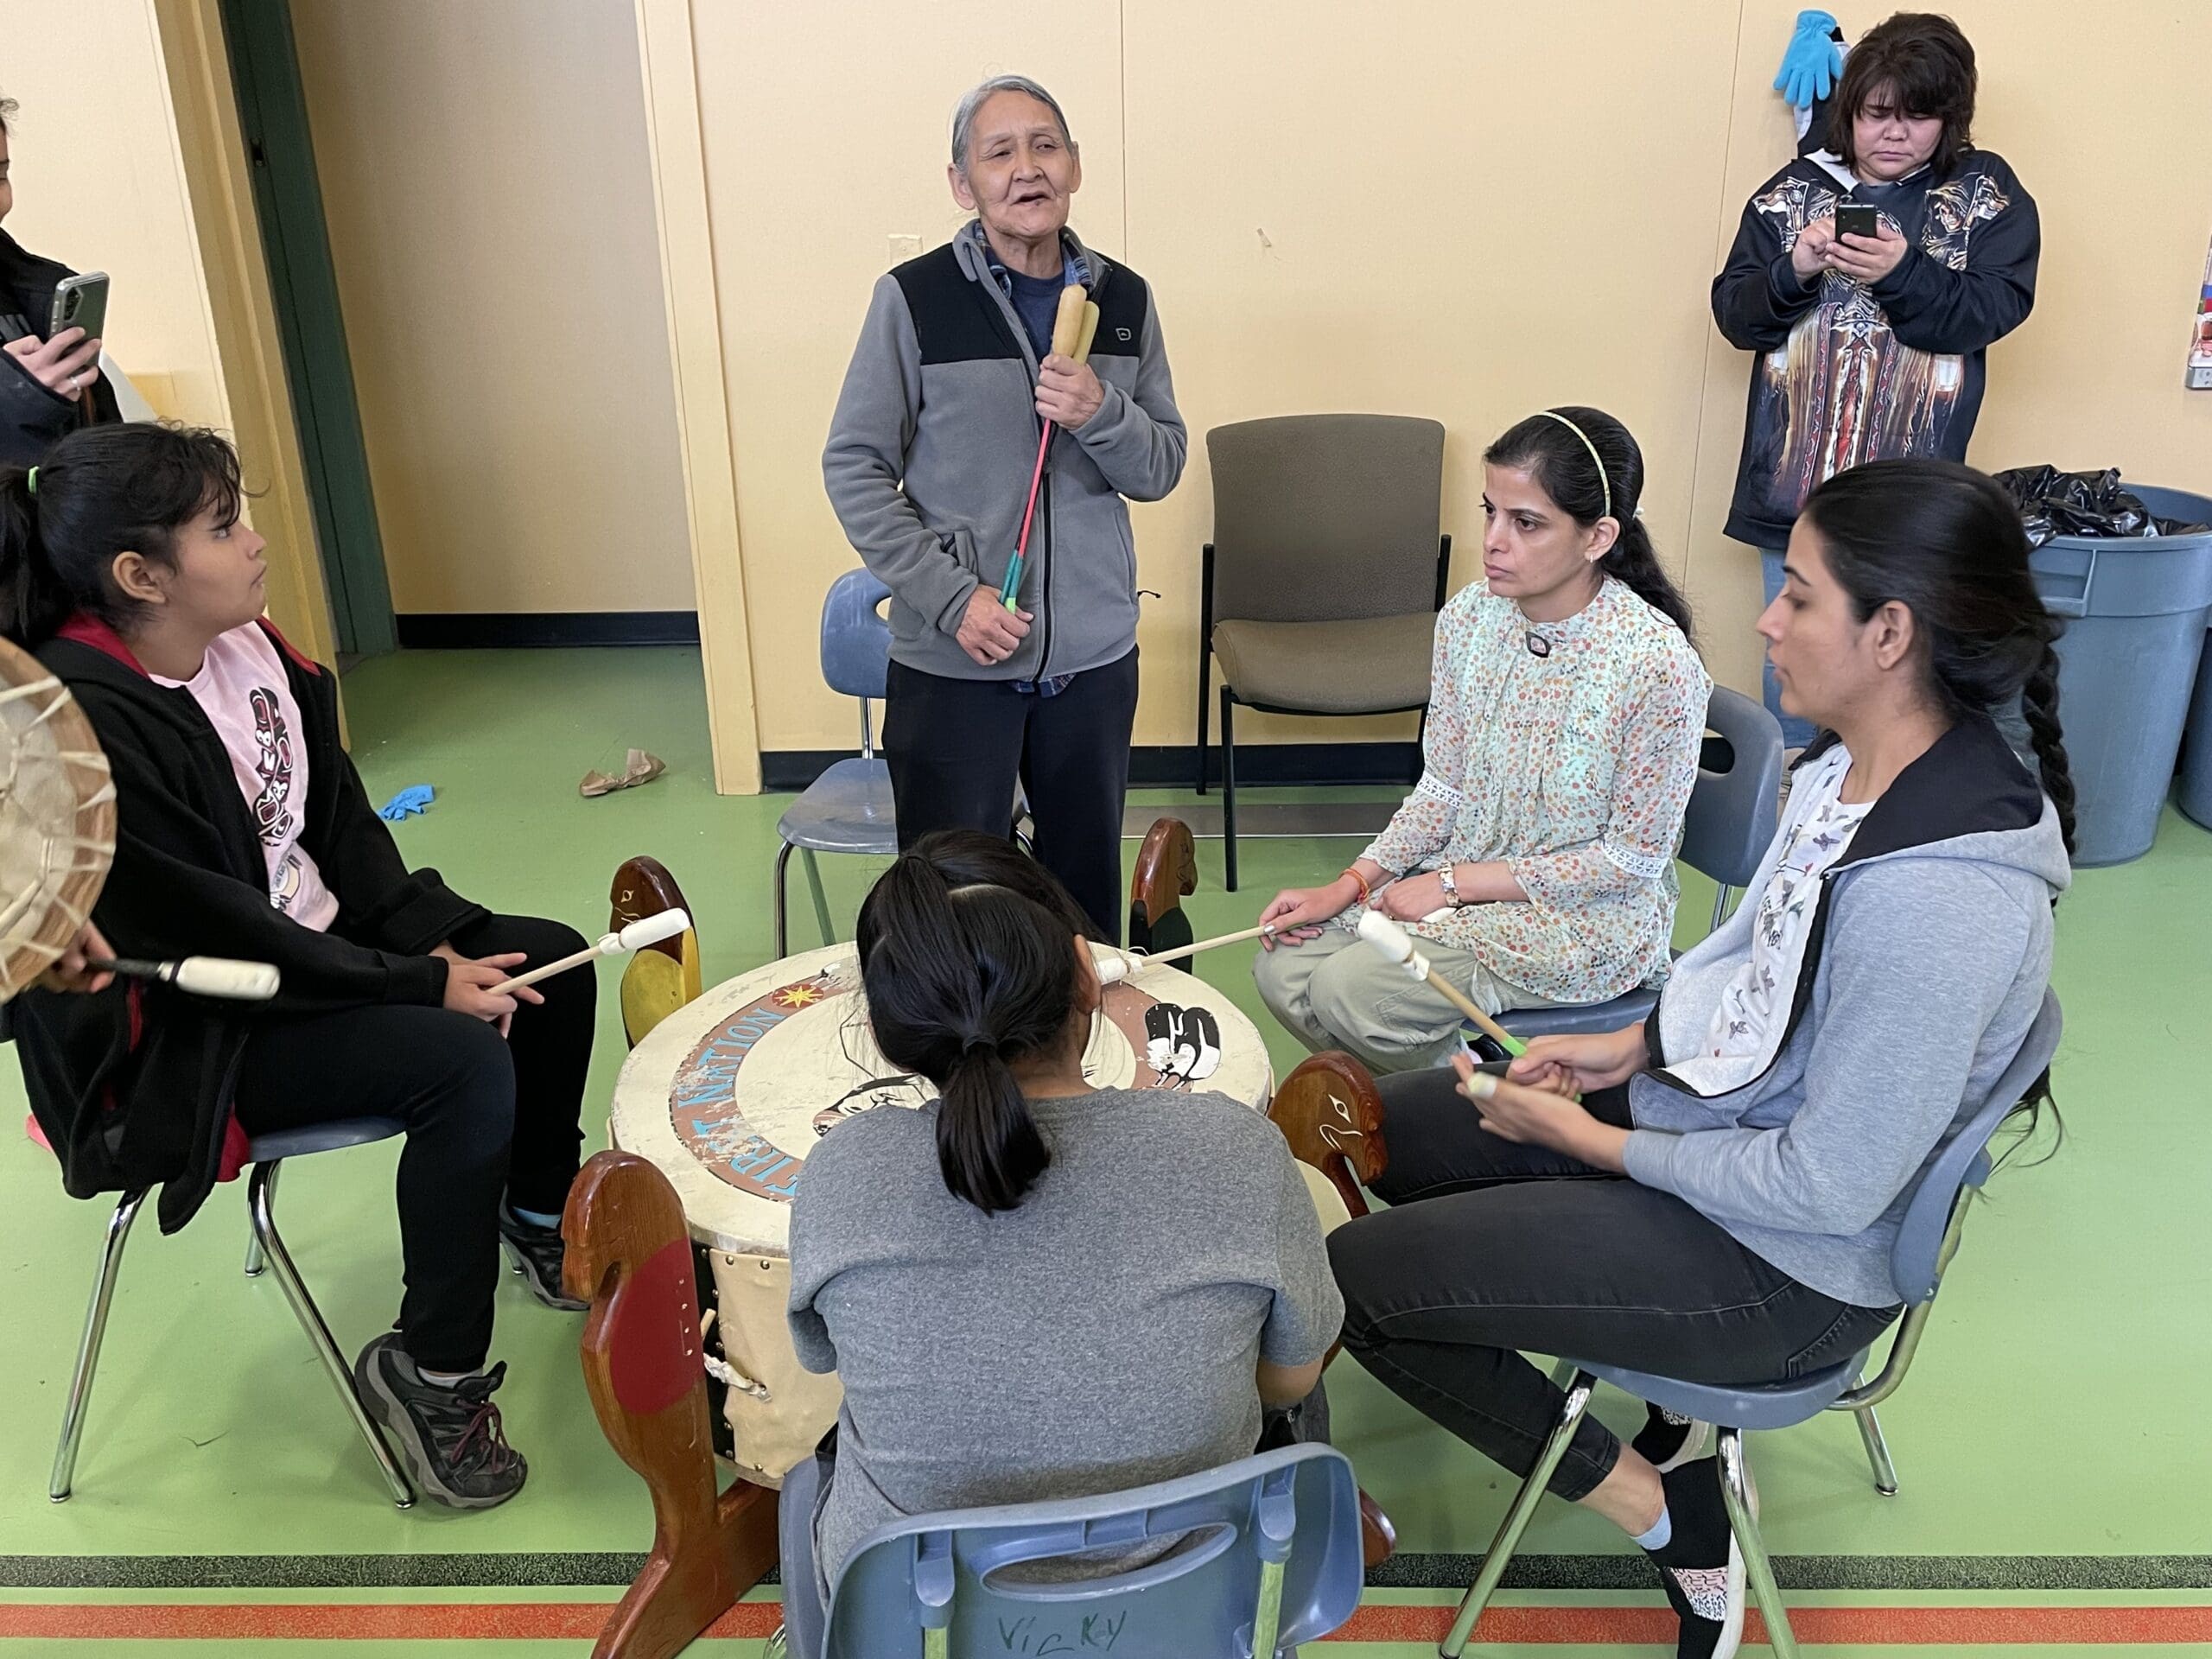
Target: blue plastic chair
column 267, row 1154
column 848, row 808
column 1727, row 829
column 1274, row 1562
column 1927, row 1239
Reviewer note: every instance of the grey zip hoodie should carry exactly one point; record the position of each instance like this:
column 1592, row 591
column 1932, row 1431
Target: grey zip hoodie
column 929, row 452
column 1930, row 951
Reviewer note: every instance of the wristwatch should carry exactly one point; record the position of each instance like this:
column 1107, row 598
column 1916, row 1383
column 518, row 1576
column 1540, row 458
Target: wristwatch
column 1451, row 887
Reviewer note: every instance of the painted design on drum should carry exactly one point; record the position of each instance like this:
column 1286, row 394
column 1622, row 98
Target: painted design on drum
column 1182, row 1046
column 1156, row 1045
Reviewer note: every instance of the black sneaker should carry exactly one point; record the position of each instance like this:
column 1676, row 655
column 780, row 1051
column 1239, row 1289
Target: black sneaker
column 1670, row 1439
column 449, row 1438
column 1701, row 1565
column 536, row 1253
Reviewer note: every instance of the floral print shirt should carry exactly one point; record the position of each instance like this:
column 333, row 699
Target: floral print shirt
column 1574, row 768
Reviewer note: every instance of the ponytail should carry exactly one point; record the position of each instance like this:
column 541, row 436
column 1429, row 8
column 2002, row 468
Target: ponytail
column 1634, row 563
column 32, row 605
column 1591, row 467
column 122, row 487
column 962, row 981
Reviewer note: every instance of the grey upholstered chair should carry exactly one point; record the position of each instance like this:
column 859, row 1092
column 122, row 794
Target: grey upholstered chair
column 1325, row 572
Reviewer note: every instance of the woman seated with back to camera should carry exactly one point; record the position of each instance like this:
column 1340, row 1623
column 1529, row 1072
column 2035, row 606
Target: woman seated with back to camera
column 1031, row 1287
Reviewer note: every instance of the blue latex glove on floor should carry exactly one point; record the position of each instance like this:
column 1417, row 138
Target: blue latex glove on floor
column 1811, row 62
column 410, row 802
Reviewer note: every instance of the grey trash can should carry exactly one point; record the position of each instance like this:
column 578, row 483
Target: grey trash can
column 2196, row 797
column 2137, row 608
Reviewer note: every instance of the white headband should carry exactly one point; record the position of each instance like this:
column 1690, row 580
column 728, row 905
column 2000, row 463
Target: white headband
column 1604, row 483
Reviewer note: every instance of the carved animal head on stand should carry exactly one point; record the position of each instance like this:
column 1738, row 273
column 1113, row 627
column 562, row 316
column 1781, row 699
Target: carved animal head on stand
column 1166, row 872
column 663, row 976
column 1329, row 1111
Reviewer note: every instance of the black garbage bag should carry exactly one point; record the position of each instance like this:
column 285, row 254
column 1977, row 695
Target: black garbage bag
column 2053, row 503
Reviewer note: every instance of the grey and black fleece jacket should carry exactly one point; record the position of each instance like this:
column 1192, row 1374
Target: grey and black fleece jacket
column 929, row 452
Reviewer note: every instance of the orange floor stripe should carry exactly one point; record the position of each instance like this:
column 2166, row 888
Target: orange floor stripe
column 581, row 1621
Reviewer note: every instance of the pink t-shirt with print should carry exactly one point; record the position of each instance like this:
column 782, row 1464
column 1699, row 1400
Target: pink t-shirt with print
column 242, row 689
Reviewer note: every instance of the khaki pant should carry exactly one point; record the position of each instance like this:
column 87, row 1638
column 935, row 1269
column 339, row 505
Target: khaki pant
column 1336, row 992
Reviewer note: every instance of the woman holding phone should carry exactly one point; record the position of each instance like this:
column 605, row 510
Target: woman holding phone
column 50, row 382
column 1870, row 278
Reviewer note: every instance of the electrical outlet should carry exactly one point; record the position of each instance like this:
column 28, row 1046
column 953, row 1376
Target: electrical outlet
column 906, row 246
column 2200, row 377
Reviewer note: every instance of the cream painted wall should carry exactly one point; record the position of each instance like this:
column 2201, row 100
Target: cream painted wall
column 1469, row 211
column 485, row 178
column 1403, row 217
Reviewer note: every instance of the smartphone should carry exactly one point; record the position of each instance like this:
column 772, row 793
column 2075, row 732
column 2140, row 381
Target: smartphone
column 79, row 302
column 1857, row 218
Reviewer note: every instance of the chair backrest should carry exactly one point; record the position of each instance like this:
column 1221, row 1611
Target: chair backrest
column 1916, row 1260
column 1733, row 813
column 1325, row 516
column 1298, row 1508
column 856, row 640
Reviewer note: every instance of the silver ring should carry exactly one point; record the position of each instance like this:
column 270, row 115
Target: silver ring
column 72, row 383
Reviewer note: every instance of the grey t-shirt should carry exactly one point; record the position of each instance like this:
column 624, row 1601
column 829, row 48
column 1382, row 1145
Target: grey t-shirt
column 1103, row 1335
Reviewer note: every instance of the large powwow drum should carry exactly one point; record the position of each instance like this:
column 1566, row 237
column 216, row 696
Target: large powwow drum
column 726, row 1096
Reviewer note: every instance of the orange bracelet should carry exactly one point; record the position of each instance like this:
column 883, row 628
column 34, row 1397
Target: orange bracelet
column 1366, row 894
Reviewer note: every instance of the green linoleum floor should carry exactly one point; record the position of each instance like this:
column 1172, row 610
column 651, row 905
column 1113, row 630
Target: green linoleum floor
column 2061, row 1406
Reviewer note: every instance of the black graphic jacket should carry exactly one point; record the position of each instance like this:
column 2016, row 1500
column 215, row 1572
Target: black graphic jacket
column 1846, row 372
column 31, row 417
column 133, row 1086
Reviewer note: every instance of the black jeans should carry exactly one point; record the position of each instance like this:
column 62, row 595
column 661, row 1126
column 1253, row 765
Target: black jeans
column 484, row 1117
column 956, row 748
column 1491, row 1248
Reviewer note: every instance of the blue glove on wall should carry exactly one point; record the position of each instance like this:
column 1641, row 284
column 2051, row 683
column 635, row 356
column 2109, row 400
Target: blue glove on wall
column 1811, row 62
column 410, row 803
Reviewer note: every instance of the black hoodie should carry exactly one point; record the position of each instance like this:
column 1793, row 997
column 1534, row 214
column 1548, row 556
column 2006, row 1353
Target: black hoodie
column 133, row 1086
column 31, row 417
column 1848, row 372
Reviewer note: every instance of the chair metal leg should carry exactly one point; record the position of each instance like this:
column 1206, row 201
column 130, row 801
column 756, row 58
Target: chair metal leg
column 255, row 1261
column 783, row 941
column 1758, row 1571
column 88, row 1346
column 1228, row 793
column 1205, row 692
column 260, row 1191
column 821, row 903
column 1517, row 1518
column 1877, row 1449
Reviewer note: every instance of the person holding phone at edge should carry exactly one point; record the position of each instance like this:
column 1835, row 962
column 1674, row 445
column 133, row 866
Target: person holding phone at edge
column 1870, row 278
column 50, row 383
column 928, row 464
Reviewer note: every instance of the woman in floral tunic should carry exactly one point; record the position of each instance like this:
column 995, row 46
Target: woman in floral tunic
column 1536, row 856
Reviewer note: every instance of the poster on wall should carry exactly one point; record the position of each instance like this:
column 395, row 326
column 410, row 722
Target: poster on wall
column 2200, row 353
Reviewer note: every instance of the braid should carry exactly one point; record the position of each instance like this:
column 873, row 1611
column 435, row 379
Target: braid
column 2039, row 701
